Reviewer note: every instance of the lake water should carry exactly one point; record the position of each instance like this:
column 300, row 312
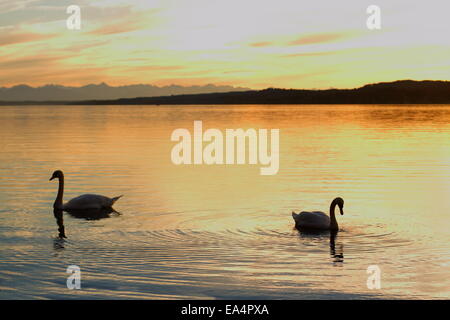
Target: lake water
column 226, row 231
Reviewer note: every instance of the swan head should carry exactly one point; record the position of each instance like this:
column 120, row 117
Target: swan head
column 57, row 174
column 340, row 203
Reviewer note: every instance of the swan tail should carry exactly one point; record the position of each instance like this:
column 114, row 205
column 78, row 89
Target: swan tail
column 113, row 200
column 294, row 215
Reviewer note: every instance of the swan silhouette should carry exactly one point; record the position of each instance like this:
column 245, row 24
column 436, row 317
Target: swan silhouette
column 83, row 202
column 318, row 220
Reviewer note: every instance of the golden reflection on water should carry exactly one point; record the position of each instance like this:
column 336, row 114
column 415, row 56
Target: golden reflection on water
column 227, row 231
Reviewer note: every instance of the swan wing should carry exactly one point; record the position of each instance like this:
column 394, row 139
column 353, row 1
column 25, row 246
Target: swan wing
column 312, row 220
column 89, row 201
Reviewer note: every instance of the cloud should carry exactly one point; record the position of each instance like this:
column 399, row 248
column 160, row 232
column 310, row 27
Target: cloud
column 30, row 13
column 8, row 5
column 14, row 38
column 115, row 28
column 42, row 70
column 261, row 44
column 309, row 54
column 317, row 38
column 126, row 19
column 84, row 45
column 41, row 61
column 155, row 68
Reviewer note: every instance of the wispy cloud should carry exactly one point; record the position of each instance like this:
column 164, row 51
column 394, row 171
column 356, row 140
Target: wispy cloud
column 14, row 38
column 30, row 62
column 317, row 38
column 155, row 68
column 115, row 29
column 309, row 54
column 8, row 5
column 261, row 44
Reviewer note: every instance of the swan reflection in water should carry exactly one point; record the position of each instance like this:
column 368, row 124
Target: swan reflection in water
column 336, row 249
column 87, row 214
column 337, row 254
column 58, row 243
column 60, row 222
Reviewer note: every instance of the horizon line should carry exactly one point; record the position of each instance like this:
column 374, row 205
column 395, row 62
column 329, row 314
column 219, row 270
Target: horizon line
column 211, row 84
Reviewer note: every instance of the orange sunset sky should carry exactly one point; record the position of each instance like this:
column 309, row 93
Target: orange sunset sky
column 247, row 43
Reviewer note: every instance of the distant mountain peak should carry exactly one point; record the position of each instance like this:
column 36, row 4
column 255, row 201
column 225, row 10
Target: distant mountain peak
column 102, row 91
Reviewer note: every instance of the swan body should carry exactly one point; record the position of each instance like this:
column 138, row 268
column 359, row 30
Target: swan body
column 317, row 220
column 83, row 202
column 312, row 220
column 90, row 201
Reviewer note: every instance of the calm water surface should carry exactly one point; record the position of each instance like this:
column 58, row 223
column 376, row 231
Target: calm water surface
column 226, row 231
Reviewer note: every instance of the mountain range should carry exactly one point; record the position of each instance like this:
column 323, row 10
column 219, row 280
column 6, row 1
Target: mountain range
column 396, row 92
column 102, row 92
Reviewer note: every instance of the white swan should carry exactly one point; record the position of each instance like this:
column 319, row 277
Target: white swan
column 318, row 220
column 83, row 202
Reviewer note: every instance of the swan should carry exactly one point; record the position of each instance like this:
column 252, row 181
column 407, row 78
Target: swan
column 318, row 220
column 83, row 202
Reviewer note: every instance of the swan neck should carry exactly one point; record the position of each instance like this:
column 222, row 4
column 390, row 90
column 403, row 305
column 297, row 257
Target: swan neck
column 333, row 222
column 59, row 197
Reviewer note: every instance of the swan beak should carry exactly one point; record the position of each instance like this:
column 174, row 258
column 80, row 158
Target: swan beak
column 342, row 211
column 51, row 178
